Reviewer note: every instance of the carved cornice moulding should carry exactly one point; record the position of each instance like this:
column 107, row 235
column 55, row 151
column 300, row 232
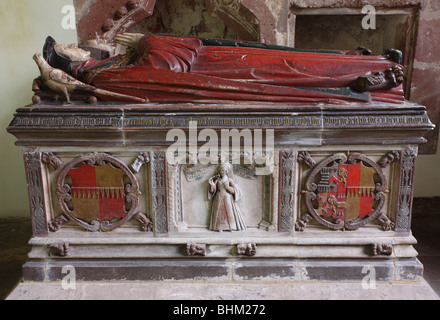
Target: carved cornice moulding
column 112, row 124
column 284, row 116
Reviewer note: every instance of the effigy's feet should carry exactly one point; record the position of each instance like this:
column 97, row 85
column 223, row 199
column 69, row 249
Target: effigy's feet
column 394, row 55
column 390, row 78
column 395, row 75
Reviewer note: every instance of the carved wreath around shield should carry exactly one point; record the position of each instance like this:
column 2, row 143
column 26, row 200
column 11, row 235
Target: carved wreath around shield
column 345, row 192
column 99, row 198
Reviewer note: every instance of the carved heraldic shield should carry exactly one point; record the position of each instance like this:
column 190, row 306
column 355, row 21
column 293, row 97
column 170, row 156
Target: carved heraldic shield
column 93, row 194
column 346, row 193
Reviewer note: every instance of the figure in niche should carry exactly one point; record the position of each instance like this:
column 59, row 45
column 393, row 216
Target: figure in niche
column 224, row 193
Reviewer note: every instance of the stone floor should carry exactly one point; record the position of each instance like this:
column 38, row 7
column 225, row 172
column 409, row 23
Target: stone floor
column 14, row 237
column 249, row 291
column 14, row 234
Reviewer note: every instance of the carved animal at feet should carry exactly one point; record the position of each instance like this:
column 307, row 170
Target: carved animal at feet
column 61, row 82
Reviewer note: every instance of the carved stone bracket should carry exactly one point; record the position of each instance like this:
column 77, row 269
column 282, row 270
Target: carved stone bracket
column 59, row 250
column 53, row 160
column 247, row 249
column 194, row 249
column 380, row 249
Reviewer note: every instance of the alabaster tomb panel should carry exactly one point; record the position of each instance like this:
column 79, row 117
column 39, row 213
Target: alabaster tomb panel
column 347, row 189
column 95, row 184
column 330, row 190
column 199, row 205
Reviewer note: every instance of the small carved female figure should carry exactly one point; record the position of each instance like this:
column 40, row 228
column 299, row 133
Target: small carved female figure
column 225, row 212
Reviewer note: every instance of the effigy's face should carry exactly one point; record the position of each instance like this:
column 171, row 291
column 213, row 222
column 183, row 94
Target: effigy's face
column 72, row 52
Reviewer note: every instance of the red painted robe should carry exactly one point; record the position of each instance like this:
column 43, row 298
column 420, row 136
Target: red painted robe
column 179, row 69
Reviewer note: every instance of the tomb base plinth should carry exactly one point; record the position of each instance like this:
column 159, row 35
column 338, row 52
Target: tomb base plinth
column 225, row 192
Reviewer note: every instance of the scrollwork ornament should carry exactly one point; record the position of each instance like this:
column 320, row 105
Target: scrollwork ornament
column 57, row 223
column 306, row 158
column 146, row 223
column 386, row 223
column 142, row 158
column 301, row 224
column 390, row 157
column 53, row 160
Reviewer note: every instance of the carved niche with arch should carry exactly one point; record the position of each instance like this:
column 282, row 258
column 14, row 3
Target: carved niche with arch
column 250, row 20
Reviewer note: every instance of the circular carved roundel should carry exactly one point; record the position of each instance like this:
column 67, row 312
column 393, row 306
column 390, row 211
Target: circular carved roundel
column 343, row 193
column 93, row 192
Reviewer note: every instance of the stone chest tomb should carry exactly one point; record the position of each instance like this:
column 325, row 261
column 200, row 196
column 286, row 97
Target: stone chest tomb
column 189, row 157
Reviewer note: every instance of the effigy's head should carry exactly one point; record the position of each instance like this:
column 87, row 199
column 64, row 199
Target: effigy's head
column 64, row 56
column 72, row 52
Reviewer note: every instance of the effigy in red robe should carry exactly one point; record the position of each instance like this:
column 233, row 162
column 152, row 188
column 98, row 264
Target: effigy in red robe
column 182, row 69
